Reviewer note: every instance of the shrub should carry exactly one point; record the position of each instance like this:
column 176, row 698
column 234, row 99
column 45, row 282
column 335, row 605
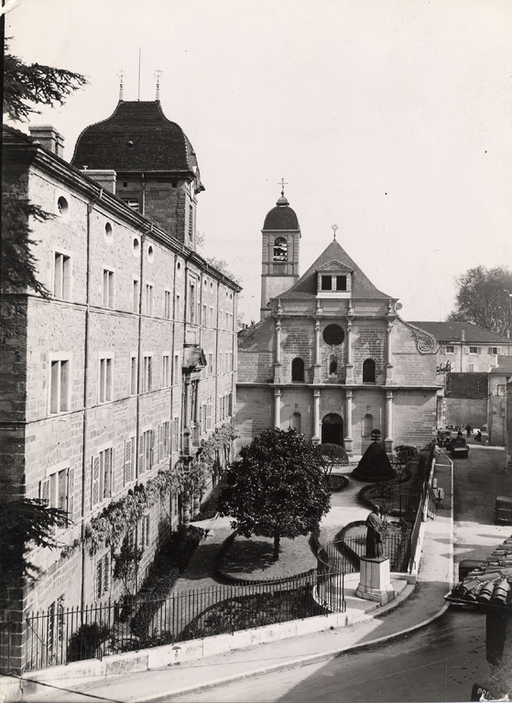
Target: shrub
column 84, row 643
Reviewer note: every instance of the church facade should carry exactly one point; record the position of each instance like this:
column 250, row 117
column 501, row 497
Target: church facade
column 331, row 356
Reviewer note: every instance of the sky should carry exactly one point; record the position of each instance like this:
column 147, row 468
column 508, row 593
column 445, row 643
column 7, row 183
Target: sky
column 388, row 118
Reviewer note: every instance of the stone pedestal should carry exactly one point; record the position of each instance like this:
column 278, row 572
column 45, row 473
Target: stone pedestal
column 375, row 580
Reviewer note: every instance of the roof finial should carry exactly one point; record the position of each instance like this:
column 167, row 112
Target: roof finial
column 121, row 76
column 283, row 184
column 334, row 228
column 158, row 73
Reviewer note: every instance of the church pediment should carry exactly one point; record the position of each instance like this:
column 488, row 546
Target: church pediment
column 334, row 265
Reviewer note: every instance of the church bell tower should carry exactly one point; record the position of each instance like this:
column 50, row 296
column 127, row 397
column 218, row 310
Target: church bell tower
column 280, row 252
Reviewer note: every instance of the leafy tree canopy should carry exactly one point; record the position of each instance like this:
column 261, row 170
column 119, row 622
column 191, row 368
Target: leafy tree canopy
column 483, row 298
column 27, row 85
column 25, row 523
column 330, row 455
column 276, row 488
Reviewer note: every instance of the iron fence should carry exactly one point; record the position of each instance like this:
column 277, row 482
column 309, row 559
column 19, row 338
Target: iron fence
column 396, row 546
column 60, row 636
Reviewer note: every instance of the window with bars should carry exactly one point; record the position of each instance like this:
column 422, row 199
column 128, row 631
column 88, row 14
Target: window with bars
column 62, row 276
column 108, row 288
column 106, row 382
column 59, row 385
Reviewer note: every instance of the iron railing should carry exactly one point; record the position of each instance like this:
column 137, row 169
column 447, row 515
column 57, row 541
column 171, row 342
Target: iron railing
column 60, row 636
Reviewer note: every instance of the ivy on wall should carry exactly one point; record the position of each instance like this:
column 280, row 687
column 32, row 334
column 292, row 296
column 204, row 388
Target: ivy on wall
column 188, row 477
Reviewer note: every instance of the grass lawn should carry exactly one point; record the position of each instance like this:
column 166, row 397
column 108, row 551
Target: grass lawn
column 252, row 558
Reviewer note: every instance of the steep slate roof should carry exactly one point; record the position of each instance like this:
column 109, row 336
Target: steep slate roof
column 281, row 217
column 452, row 332
column 362, row 287
column 137, row 137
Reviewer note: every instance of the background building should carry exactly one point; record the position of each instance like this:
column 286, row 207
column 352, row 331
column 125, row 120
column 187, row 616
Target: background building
column 331, row 357
column 128, row 364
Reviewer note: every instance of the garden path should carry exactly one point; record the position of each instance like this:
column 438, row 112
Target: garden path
column 200, row 571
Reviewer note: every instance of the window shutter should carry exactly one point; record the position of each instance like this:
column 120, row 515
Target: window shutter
column 160, row 442
column 141, row 454
column 71, row 495
column 95, row 485
column 106, row 572
column 152, row 460
column 111, row 474
column 127, row 462
column 44, row 491
column 209, row 416
column 99, row 583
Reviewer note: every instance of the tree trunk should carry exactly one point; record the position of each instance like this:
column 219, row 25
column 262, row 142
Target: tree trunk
column 276, row 548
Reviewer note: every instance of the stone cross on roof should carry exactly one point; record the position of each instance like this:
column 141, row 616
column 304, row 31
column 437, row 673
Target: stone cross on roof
column 283, row 184
column 334, row 228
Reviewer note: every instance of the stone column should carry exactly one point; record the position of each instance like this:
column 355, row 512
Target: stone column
column 277, row 408
column 317, row 365
column 348, row 421
column 388, row 441
column 389, row 353
column 277, row 354
column 316, row 417
column 349, row 366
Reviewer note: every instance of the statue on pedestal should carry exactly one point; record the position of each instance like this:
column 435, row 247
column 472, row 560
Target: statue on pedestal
column 374, row 534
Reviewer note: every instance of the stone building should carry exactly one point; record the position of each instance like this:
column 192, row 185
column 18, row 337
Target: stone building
column 128, row 364
column 466, row 354
column 331, row 357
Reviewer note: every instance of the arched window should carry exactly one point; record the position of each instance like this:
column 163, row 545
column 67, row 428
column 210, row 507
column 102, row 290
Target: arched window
column 280, row 249
column 298, row 370
column 297, row 422
column 333, row 365
column 369, row 371
column 368, row 425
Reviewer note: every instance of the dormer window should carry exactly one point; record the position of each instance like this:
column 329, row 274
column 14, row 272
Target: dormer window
column 334, row 280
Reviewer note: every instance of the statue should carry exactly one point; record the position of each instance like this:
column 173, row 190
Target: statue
column 375, row 528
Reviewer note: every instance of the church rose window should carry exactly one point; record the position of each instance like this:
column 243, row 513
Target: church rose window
column 333, row 335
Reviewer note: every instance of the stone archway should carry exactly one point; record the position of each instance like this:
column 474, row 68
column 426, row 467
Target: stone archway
column 332, row 429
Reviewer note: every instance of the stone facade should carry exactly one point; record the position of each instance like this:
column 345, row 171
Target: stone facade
column 98, row 391
column 333, row 359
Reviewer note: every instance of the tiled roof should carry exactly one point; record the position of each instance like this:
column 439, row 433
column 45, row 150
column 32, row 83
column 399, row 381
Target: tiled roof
column 504, row 365
column 137, row 137
column 362, row 286
column 452, row 332
column 490, row 582
column 14, row 136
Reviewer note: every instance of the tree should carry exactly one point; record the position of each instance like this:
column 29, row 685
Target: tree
column 276, row 488
column 484, row 298
column 25, row 523
column 28, row 85
column 330, row 455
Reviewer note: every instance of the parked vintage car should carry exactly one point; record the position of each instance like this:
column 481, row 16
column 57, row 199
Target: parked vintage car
column 503, row 510
column 459, row 448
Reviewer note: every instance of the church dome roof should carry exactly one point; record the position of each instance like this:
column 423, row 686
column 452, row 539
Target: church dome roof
column 136, row 137
column 281, row 216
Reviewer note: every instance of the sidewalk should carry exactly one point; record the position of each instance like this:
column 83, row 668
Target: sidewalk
column 414, row 608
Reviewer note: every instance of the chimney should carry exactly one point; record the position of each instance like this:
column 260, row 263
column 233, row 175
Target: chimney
column 463, row 335
column 106, row 178
column 48, row 137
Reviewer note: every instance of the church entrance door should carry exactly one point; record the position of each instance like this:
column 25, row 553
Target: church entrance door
column 332, row 429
